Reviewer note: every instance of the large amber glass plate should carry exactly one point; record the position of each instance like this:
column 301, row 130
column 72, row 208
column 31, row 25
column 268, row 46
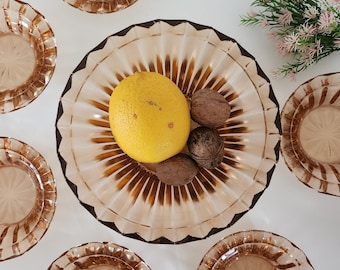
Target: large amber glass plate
column 255, row 250
column 28, row 54
column 100, row 256
column 100, row 6
column 126, row 195
column 27, row 197
column 311, row 133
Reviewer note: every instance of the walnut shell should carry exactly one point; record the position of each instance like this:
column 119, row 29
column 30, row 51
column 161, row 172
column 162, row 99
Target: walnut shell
column 209, row 108
column 206, row 147
column 177, row 170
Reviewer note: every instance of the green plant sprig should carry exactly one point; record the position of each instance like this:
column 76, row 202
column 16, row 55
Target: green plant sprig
column 305, row 31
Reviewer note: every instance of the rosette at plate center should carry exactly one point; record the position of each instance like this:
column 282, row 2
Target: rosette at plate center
column 17, row 195
column 17, row 61
column 320, row 134
column 253, row 262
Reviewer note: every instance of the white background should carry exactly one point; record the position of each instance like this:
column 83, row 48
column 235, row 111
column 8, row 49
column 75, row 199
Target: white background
column 309, row 219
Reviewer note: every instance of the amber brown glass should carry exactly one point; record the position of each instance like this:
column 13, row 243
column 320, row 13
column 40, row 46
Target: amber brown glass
column 28, row 54
column 27, row 197
column 100, row 6
column 99, row 256
column 311, row 133
column 125, row 194
column 255, row 250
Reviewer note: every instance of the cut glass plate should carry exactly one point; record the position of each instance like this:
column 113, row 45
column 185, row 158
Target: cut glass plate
column 28, row 54
column 311, row 133
column 126, row 195
column 27, row 197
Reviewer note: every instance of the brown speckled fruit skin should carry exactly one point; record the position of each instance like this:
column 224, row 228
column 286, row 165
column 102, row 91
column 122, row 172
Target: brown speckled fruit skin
column 177, row 170
column 209, row 108
column 206, row 147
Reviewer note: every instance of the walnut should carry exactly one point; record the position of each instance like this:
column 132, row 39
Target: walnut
column 206, row 147
column 177, row 170
column 209, row 108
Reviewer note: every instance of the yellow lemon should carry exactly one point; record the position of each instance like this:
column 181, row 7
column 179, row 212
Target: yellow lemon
column 149, row 117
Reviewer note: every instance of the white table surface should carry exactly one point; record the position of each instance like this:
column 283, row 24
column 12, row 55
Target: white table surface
column 309, row 219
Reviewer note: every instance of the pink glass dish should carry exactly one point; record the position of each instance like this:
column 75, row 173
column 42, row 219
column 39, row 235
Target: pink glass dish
column 28, row 54
column 27, row 197
column 126, row 195
column 100, row 6
column 99, row 255
column 255, row 250
column 311, row 133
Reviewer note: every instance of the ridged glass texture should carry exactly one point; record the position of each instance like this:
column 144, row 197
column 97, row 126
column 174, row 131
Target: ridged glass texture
column 27, row 197
column 126, row 195
column 99, row 255
column 100, row 6
column 311, row 133
column 28, row 54
column 255, row 250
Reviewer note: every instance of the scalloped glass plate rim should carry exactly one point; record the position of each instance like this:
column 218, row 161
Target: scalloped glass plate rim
column 48, row 188
column 314, row 179
column 251, row 66
column 226, row 248
column 100, row 6
column 95, row 250
column 45, row 61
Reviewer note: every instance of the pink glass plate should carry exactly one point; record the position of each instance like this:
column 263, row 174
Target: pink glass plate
column 311, row 133
column 100, row 6
column 28, row 54
column 126, row 195
column 255, row 250
column 27, row 197
column 99, row 255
